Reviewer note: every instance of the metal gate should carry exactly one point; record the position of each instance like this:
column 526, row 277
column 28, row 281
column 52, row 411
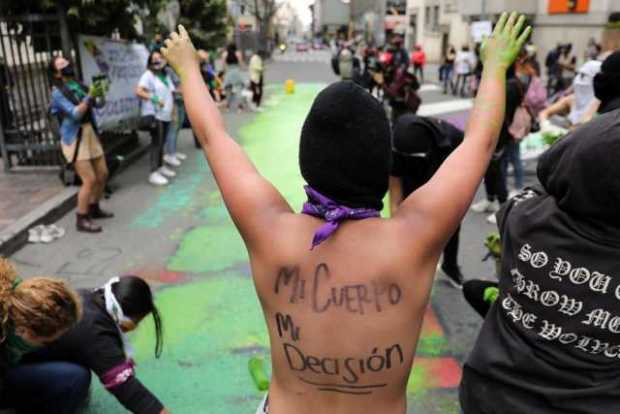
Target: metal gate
column 27, row 45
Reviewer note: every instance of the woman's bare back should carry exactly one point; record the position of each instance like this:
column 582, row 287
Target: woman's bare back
column 343, row 319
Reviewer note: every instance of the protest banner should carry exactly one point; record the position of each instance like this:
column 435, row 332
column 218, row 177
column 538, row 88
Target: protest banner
column 122, row 63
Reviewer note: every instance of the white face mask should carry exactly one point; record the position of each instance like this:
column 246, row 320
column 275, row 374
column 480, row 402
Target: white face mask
column 115, row 310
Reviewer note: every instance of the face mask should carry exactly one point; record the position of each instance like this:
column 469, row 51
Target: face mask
column 159, row 64
column 17, row 347
column 68, row 71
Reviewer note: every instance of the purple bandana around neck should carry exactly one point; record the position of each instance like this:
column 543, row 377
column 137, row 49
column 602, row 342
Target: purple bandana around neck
column 327, row 209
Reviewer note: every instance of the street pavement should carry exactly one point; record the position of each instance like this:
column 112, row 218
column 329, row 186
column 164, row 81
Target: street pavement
column 181, row 239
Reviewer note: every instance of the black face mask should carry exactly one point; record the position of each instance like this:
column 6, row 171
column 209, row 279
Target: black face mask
column 68, row 71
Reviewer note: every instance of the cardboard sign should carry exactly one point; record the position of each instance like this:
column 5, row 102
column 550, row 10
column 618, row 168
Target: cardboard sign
column 480, row 30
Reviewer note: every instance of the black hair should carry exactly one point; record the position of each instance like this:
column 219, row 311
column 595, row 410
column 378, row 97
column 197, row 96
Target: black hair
column 136, row 299
column 51, row 72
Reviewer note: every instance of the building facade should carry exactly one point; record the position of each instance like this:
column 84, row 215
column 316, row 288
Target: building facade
column 436, row 25
column 554, row 21
column 330, row 16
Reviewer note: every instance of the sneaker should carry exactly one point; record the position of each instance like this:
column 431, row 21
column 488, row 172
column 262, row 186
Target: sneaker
column 485, row 206
column 47, row 235
column 453, row 276
column 492, row 219
column 34, row 234
column 172, row 160
column 167, row 172
column 180, row 156
column 55, row 231
column 157, row 179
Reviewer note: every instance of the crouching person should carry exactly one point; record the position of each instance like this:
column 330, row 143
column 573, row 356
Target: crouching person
column 99, row 342
column 34, row 313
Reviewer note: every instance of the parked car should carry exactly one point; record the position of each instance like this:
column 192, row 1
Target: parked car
column 302, row 47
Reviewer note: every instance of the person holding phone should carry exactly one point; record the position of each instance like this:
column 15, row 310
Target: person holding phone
column 72, row 102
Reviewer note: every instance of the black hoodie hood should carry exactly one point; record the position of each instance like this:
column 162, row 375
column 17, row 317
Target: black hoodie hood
column 582, row 171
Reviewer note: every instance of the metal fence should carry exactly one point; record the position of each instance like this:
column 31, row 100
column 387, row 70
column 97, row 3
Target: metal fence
column 27, row 45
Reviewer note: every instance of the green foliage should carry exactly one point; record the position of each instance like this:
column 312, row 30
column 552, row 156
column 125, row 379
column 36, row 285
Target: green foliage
column 100, row 17
column 205, row 20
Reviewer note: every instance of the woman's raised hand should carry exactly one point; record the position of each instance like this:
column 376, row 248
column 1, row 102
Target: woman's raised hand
column 179, row 51
column 501, row 49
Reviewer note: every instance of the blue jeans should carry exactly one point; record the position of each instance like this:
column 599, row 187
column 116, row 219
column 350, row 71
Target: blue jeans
column 46, row 388
column 512, row 155
column 447, row 77
column 173, row 131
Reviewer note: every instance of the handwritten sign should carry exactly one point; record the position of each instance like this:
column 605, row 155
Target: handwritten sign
column 123, row 64
column 480, row 30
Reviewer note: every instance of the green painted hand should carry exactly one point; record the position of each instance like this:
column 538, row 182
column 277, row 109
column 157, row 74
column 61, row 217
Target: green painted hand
column 502, row 48
column 179, row 51
column 95, row 90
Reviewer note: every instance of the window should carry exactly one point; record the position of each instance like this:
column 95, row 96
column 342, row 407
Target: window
column 436, row 18
column 427, row 16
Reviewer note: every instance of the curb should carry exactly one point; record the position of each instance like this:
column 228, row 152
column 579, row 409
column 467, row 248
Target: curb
column 15, row 236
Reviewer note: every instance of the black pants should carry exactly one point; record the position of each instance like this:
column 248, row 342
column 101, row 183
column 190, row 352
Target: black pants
column 495, row 182
column 257, row 92
column 158, row 131
column 451, row 251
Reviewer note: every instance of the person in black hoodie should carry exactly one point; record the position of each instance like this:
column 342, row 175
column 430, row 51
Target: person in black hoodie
column 33, row 313
column 99, row 341
column 419, row 146
column 550, row 342
column 607, row 84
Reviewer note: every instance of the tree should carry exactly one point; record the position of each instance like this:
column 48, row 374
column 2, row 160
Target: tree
column 264, row 11
column 206, row 22
column 99, row 17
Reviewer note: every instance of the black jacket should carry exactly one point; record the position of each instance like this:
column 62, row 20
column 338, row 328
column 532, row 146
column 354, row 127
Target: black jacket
column 96, row 343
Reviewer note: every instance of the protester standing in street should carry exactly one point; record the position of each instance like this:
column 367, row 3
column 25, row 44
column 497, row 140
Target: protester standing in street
column 464, row 64
column 171, row 155
column 233, row 79
column 448, row 68
column 72, row 102
column 257, row 72
column 155, row 89
column 568, row 64
column 418, row 59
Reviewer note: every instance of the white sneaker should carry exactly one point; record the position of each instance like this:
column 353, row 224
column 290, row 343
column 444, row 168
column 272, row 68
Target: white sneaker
column 492, row 219
column 172, row 160
column 46, row 235
column 167, row 172
column 157, row 179
column 34, row 234
column 55, row 231
column 485, row 206
column 180, row 156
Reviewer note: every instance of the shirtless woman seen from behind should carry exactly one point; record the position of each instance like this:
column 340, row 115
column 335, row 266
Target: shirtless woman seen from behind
column 344, row 317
